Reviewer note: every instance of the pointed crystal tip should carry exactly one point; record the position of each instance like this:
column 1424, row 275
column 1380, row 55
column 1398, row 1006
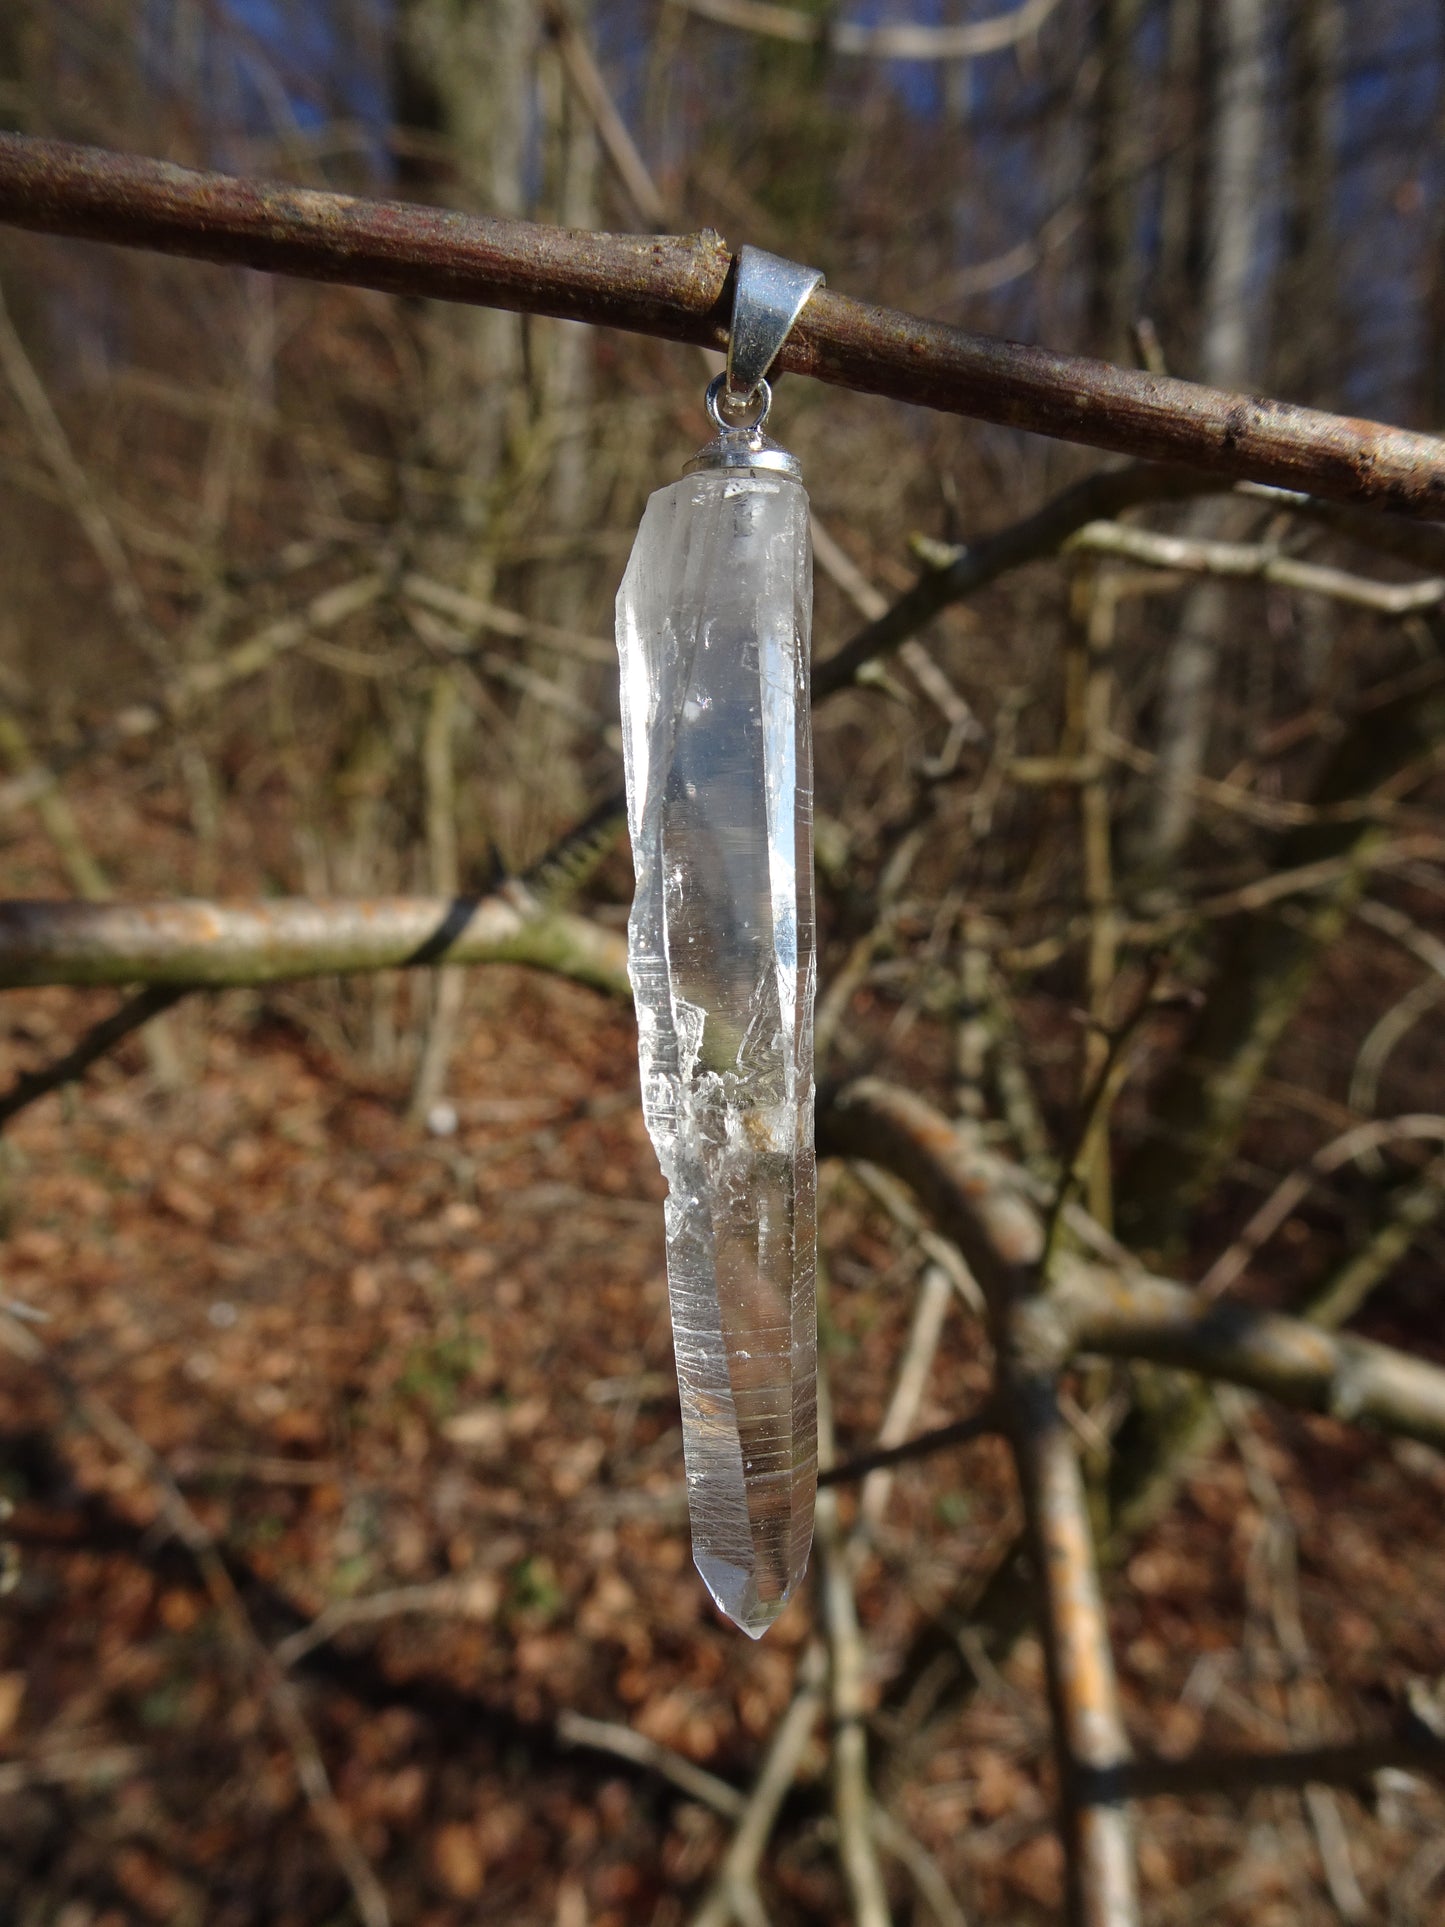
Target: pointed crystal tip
column 735, row 1592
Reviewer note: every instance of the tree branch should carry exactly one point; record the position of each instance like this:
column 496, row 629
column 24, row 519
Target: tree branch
column 733, row 1894
column 211, row 945
column 625, row 1743
column 100, row 1039
column 883, row 1458
column 1350, row 1763
column 1089, row 1736
column 1259, row 562
column 979, row 1202
column 1350, row 1378
column 1101, row 496
column 678, row 288
column 891, row 40
column 194, row 685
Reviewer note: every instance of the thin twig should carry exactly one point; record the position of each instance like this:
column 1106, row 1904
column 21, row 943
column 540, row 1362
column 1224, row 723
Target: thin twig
column 470, row 1596
column 733, row 1894
column 979, row 1202
column 891, row 40
column 910, row 1384
column 97, row 1042
column 1412, row 1748
column 612, row 130
column 1259, row 562
column 853, row 1801
column 606, row 1736
column 922, row 1868
column 1291, row 1191
column 75, row 487
column 942, row 1438
column 199, row 682
column 1412, row 1209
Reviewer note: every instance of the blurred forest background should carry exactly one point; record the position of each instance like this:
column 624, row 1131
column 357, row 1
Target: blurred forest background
column 307, row 591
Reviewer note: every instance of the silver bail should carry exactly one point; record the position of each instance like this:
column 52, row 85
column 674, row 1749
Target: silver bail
column 769, row 295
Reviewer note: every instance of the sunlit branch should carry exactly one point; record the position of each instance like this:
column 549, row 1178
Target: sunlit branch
column 1349, row 1378
column 890, row 40
column 978, row 1201
column 1088, row 1726
column 212, row 945
column 197, row 683
column 677, row 288
column 1256, row 562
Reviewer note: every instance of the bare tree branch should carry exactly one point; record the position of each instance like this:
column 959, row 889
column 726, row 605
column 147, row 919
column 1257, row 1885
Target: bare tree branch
column 853, row 1803
column 734, row 1894
column 97, row 1042
column 193, row 686
column 211, row 945
column 882, row 1458
column 1257, row 561
column 606, row 1736
column 892, row 40
column 979, row 1202
column 1088, row 1726
column 1350, row 1763
column 612, row 129
column 677, row 288
column 1292, row 1190
column 1105, row 494
column 1350, row 1378
column 468, row 1596
column 76, row 490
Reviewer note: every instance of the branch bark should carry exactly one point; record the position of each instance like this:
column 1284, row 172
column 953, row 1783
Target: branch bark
column 1350, row 1763
column 1089, row 1737
column 891, row 40
column 978, row 1201
column 212, row 945
column 1167, row 1324
column 97, row 1042
column 678, row 288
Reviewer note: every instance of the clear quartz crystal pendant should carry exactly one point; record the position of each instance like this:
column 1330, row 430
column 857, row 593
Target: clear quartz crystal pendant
column 713, row 627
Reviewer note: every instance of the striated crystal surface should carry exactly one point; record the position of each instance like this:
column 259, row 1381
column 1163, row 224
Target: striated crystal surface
column 713, row 624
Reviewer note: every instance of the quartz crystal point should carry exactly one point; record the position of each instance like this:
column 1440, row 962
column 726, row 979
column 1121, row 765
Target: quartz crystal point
column 713, row 624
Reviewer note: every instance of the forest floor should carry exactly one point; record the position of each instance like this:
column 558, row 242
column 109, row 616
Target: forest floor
column 373, row 1358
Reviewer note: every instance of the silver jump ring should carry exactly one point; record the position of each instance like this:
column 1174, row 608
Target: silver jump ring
column 761, row 397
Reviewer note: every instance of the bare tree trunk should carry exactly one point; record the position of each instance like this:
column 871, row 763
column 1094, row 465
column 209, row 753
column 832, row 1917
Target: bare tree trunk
column 1113, row 183
column 449, row 982
column 1305, row 337
column 562, row 353
column 468, row 68
column 1179, row 136
column 1432, row 387
column 467, row 74
column 1227, row 330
